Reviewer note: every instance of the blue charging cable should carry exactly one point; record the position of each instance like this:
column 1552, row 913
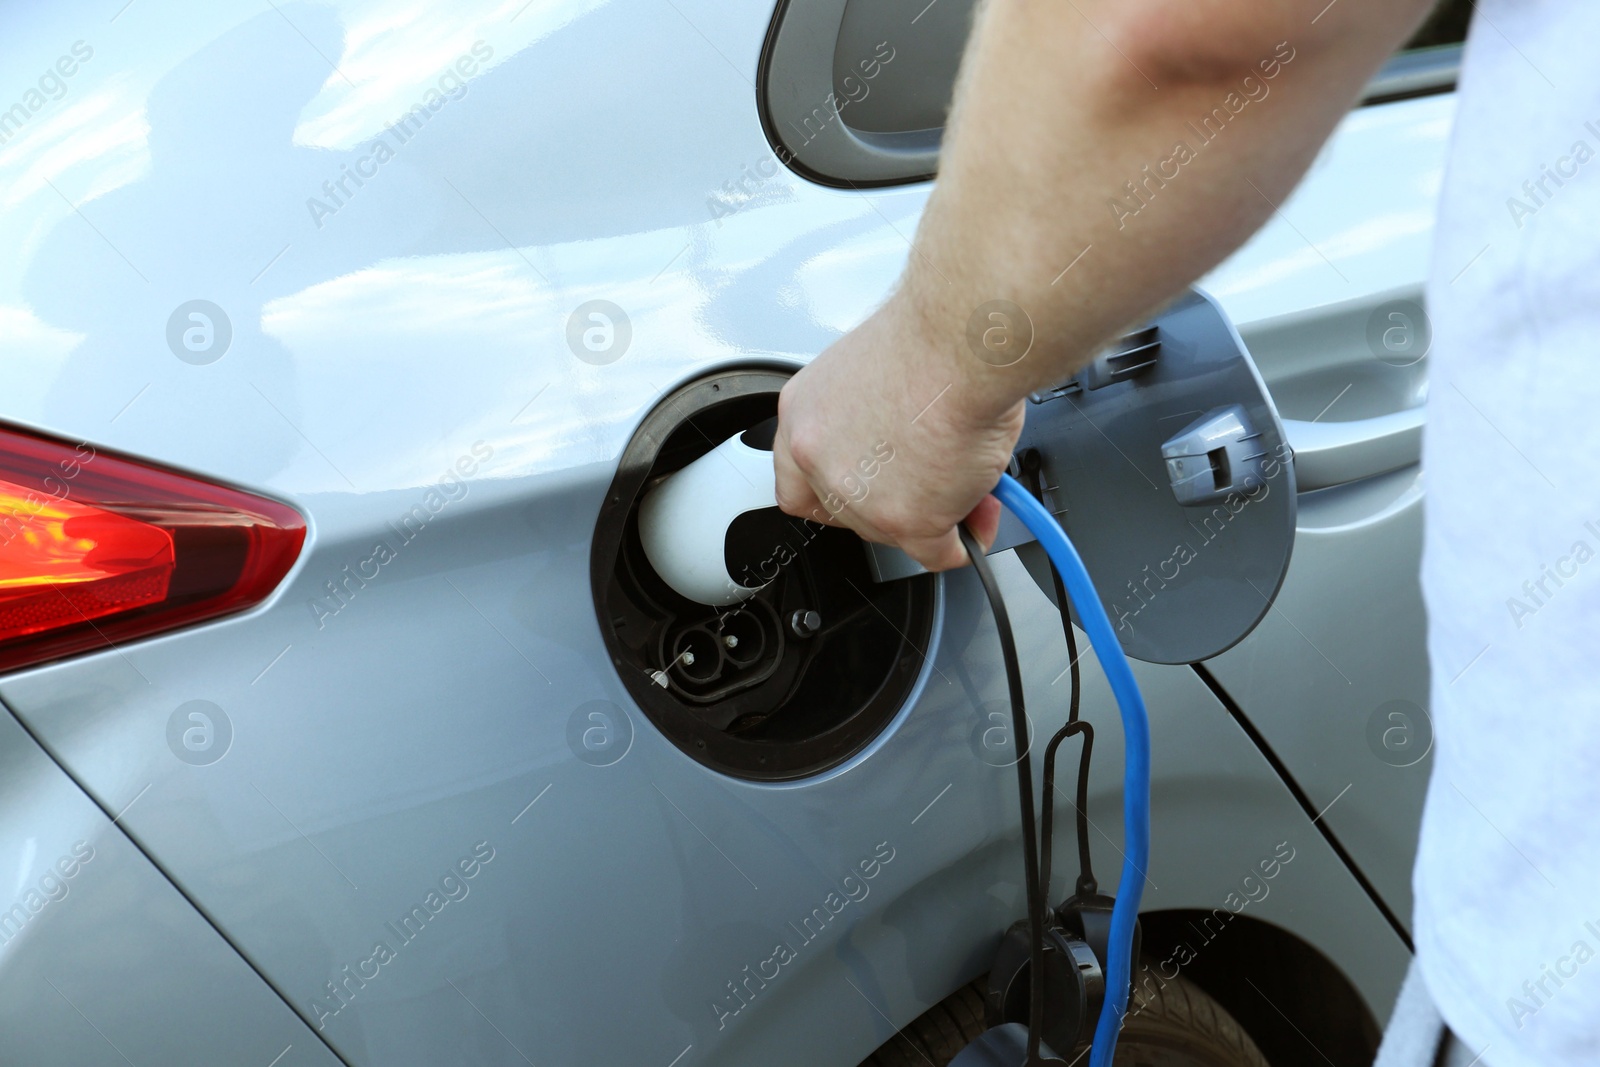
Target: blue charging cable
column 1136, row 749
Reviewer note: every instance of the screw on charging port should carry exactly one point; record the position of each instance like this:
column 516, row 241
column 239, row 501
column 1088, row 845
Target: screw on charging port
column 805, row 623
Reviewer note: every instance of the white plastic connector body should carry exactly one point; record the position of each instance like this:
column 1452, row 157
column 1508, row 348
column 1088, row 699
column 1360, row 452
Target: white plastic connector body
column 684, row 520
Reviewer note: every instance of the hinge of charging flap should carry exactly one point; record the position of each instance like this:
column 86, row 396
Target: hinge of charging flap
column 1128, row 357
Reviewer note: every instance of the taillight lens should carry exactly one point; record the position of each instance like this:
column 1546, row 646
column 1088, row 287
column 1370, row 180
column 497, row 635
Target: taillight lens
column 96, row 549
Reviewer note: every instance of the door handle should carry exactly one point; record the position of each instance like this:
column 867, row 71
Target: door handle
column 1333, row 453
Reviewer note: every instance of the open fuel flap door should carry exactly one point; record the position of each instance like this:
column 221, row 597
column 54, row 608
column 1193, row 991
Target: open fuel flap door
column 1166, row 462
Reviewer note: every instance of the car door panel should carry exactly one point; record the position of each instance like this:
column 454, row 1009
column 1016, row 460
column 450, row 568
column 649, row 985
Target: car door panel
column 86, row 923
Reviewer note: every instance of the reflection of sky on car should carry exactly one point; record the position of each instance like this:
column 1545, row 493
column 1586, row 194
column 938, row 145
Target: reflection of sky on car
column 489, row 283
column 82, row 149
column 351, row 304
column 99, row 132
column 393, row 53
column 1377, row 236
column 681, row 288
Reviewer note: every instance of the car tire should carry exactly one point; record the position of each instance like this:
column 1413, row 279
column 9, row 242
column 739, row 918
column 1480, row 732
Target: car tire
column 937, row 1034
column 1174, row 1025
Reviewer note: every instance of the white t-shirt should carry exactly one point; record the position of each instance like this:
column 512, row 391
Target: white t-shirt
column 1508, row 873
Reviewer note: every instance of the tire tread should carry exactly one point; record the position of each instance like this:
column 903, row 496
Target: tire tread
column 1170, row 1020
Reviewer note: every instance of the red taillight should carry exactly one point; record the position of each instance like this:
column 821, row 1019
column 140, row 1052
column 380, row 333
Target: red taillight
column 96, row 550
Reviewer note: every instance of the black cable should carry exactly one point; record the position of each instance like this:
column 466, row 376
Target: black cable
column 1019, row 731
column 1086, row 885
column 1030, row 465
column 1065, row 607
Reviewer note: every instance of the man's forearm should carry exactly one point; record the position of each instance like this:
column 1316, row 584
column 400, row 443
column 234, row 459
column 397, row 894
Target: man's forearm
column 1195, row 116
column 1104, row 153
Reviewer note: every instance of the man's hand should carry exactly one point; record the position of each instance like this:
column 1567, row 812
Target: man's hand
column 1100, row 155
column 879, row 435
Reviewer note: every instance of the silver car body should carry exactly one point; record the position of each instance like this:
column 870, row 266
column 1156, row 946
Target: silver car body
column 402, row 344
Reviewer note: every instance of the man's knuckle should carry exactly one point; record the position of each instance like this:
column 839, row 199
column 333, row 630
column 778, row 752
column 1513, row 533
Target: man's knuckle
column 792, row 496
column 805, row 448
column 897, row 521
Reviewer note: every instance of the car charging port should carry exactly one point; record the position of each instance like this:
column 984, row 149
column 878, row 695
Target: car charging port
column 710, row 662
column 794, row 678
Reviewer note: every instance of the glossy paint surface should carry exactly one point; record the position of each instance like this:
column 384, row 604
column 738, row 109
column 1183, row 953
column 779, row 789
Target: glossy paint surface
column 402, row 370
column 102, row 962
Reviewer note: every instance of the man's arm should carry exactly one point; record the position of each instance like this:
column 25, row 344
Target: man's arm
column 1197, row 117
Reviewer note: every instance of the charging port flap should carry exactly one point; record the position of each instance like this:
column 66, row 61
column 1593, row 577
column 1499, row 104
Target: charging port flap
column 1175, row 483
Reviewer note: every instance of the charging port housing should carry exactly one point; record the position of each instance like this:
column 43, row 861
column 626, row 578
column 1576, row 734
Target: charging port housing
column 793, row 680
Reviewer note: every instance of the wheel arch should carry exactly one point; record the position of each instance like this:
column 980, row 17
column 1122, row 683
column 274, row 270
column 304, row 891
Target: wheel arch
column 1250, row 960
